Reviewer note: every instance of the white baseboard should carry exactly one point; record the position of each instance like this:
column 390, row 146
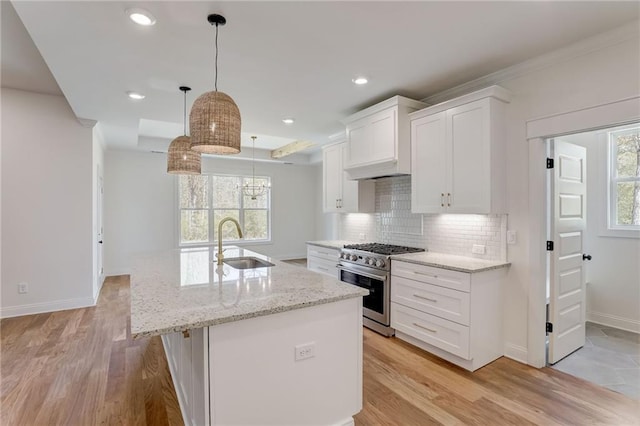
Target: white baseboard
column 291, row 256
column 114, row 272
column 614, row 321
column 39, row 308
column 515, row 352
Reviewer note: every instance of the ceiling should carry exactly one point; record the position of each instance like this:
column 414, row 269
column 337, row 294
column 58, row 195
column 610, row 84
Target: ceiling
column 276, row 59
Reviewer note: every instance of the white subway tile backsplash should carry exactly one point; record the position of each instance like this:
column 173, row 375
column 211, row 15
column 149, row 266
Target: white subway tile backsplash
column 393, row 223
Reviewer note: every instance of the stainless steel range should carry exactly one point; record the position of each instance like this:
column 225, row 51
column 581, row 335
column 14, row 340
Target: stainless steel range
column 369, row 266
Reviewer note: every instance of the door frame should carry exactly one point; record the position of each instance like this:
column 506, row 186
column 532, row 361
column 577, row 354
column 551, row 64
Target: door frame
column 538, row 131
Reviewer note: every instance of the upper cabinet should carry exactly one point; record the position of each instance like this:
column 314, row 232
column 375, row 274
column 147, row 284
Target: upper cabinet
column 378, row 139
column 458, row 155
column 340, row 194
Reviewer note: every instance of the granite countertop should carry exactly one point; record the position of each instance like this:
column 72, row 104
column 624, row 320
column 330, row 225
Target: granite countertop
column 451, row 262
column 182, row 289
column 332, row 244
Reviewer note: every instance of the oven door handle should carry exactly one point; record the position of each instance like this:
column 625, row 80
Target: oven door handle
column 364, row 274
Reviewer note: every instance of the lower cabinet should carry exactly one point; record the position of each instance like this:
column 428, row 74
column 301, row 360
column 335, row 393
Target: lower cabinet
column 455, row 315
column 188, row 363
column 323, row 260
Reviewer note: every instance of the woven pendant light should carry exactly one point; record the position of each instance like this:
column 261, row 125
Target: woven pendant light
column 214, row 121
column 181, row 159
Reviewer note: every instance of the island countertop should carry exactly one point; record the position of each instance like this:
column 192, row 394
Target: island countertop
column 182, row 289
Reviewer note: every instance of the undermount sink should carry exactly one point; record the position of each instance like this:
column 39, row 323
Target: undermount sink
column 247, row 263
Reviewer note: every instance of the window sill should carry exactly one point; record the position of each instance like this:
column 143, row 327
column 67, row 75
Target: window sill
column 228, row 243
column 619, row 233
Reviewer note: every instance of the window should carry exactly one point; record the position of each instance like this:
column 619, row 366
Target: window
column 624, row 179
column 204, row 200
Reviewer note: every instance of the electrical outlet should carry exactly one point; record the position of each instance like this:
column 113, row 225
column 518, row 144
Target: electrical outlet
column 363, row 236
column 305, row 351
column 512, row 237
column 478, row 249
column 23, row 288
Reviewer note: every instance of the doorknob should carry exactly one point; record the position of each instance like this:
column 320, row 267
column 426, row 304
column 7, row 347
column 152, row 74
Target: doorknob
column 586, row 257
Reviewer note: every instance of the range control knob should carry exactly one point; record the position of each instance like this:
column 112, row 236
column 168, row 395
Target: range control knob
column 366, row 260
column 380, row 263
column 371, row 262
column 341, row 256
column 354, row 257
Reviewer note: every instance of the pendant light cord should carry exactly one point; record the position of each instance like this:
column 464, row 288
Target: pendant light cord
column 184, row 117
column 216, row 65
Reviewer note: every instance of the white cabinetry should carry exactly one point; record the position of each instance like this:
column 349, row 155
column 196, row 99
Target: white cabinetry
column 188, row 363
column 378, row 142
column 458, row 155
column 339, row 193
column 455, row 315
column 323, row 260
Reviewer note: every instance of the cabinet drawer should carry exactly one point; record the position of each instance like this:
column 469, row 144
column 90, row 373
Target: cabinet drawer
column 437, row 276
column 443, row 302
column 323, row 253
column 327, row 267
column 446, row 335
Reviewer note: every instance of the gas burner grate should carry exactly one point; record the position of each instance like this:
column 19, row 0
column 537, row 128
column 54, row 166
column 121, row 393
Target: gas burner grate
column 386, row 249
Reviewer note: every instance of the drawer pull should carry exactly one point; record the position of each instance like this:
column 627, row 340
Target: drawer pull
column 425, row 328
column 321, row 268
column 425, row 274
column 425, row 298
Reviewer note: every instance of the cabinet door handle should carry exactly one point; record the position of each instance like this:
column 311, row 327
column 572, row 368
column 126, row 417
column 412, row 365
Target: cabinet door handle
column 186, row 334
column 442, row 199
column 425, row 328
column 425, row 298
column 341, row 205
column 448, row 199
column 425, row 274
column 337, row 206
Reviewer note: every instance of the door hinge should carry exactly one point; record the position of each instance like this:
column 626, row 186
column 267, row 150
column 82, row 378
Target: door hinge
column 549, row 163
column 549, row 327
column 549, row 245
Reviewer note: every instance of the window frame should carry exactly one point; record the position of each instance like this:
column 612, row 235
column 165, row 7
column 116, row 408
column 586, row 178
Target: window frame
column 211, row 209
column 612, row 185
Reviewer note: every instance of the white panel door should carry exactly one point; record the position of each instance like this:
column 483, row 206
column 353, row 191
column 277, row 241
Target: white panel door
column 428, row 164
column 567, row 279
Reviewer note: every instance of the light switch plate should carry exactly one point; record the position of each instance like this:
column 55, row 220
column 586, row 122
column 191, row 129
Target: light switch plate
column 512, row 237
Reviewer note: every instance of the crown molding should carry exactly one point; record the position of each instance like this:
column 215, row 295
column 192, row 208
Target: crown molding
column 583, row 47
column 86, row 122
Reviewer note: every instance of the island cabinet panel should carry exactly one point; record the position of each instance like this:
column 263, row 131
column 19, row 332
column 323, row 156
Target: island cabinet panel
column 188, row 364
column 255, row 378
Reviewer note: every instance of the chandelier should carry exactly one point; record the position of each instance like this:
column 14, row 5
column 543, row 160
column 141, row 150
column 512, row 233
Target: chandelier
column 254, row 190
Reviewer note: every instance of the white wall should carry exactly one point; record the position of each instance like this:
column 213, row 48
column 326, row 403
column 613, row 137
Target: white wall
column 604, row 75
column 46, row 209
column 613, row 275
column 141, row 210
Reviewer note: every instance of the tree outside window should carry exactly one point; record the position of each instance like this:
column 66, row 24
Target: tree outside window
column 207, row 199
column 624, row 146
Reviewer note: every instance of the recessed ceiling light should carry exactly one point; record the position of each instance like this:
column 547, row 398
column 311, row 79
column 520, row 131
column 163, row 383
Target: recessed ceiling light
column 288, row 120
column 360, row 80
column 141, row 17
column 135, row 95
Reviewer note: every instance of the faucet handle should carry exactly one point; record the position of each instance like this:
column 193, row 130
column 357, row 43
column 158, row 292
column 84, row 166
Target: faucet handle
column 221, row 252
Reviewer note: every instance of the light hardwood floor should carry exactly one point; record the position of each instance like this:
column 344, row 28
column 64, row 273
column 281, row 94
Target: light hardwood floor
column 81, row 367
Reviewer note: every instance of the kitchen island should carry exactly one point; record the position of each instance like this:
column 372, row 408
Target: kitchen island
column 264, row 346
